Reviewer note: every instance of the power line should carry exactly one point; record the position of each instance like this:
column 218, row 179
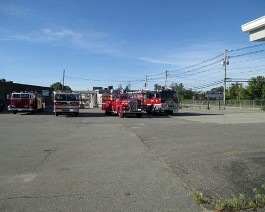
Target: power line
column 205, row 61
column 248, row 53
column 247, row 47
column 247, row 71
column 247, row 67
column 199, row 72
column 95, row 80
column 242, row 61
column 208, row 85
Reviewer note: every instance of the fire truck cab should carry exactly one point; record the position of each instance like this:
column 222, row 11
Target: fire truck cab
column 169, row 100
column 151, row 102
column 66, row 102
column 26, row 102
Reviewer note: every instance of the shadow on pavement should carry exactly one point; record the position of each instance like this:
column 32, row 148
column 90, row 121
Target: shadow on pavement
column 196, row 114
column 100, row 114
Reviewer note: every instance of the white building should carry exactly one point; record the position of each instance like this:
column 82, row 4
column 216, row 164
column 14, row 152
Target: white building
column 256, row 29
column 90, row 99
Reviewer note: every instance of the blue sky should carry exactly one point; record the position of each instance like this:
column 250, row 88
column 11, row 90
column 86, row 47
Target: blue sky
column 112, row 42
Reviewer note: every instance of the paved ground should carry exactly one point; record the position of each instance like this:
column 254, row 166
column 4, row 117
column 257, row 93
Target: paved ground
column 98, row 163
column 216, row 152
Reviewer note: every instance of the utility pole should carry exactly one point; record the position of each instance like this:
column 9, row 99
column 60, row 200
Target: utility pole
column 63, row 79
column 145, row 84
column 225, row 62
column 166, row 78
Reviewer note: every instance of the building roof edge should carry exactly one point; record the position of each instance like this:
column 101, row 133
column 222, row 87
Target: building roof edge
column 252, row 25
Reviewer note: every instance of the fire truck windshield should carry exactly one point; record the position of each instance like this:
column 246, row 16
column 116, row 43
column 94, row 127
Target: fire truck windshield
column 24, row 96
column 20, row 96
column 168, row 94
column 153, row 95
column 66, row 97
column 124, row 96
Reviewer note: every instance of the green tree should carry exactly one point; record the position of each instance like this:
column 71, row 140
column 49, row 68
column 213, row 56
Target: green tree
column 58, row 86
column 256, row 87
column 188, row 94
column 218, row 89
column 157, row 87
column 182, row 92
column 235, row 92
column 232, row 92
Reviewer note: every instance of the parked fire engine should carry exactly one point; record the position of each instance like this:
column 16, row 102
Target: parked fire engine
column 122, row 104
column 66, row 102
column 169, row 100
column 151, row 102
column 26, row 102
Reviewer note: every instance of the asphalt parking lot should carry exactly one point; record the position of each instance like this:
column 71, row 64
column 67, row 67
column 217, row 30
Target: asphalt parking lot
column 98, row 163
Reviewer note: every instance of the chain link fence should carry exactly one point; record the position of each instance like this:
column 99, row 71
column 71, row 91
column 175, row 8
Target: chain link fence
column 258, row 104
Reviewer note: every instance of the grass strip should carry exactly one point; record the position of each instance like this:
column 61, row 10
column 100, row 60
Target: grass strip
column 234, row 203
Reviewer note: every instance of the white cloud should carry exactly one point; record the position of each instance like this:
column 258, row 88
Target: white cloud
column 13, row 10
column 165, row 61
column 93, row 42
column 67, row 34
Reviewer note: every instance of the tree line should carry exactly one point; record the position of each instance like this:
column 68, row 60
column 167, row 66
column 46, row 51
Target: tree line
column 236, row 91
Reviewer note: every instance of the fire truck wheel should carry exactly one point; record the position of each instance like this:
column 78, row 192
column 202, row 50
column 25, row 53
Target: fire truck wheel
column 14, row 112
column 41, row 109
column 76, row 114
column 120, row 113
column 107, row 113
column 152, row 111
column 139, row 115
column 170, row 112
column 148, row 110
column 56, row 114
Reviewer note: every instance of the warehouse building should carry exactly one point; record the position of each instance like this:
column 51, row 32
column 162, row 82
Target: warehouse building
column 7, row 87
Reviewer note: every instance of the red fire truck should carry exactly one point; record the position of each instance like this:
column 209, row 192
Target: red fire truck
column 169, row 100
column 122, row 104
column 107, row 98
column 151, row 101
column 26, row 102
column 66, row 102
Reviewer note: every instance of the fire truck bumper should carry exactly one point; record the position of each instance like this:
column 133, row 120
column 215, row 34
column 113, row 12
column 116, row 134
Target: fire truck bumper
column 158, row 108
column 133, row 112
column 170, row 106
column 66, row 110
column 20, row 109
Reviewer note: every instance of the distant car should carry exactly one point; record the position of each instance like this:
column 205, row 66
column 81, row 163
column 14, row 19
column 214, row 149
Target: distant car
column 2, row 105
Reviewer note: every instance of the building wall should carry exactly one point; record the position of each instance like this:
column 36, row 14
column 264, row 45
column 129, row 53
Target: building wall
column 89, row 98
column 6, row 88
column 258, row 34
